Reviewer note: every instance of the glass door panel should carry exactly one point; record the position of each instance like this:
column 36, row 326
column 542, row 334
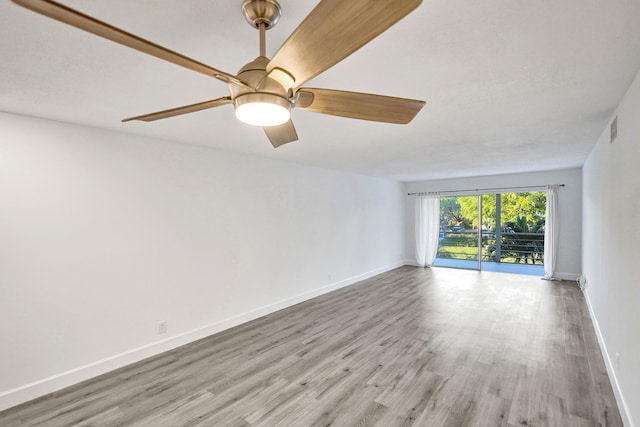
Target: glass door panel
column 459, row 231
column 514, row 237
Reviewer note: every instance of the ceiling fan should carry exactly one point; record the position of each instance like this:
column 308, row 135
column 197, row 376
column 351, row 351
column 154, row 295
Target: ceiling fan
column 265, row 90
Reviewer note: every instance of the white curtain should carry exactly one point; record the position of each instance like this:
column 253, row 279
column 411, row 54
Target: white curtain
column 427, row 229
column 551, row 233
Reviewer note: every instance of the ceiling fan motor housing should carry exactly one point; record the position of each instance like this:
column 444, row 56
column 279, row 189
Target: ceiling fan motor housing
column 254, row 74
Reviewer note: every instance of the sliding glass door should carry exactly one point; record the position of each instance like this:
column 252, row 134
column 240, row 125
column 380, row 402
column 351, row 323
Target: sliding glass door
column 515, row 238
column 495, row 232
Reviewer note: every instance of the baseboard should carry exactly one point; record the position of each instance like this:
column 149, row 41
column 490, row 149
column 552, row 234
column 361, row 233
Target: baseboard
column 566, row 276
column 622, row 404
column 57, row 382
column 412, row 262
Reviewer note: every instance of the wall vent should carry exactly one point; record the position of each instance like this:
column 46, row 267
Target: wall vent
column 614, row 129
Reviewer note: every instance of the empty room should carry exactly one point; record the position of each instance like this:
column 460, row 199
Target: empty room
column 319, row 213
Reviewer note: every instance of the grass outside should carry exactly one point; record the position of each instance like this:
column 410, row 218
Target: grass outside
column 471, row 253
column 457, row 252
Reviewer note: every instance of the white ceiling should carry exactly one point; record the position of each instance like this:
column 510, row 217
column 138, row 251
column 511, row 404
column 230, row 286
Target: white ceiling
column 510, row 85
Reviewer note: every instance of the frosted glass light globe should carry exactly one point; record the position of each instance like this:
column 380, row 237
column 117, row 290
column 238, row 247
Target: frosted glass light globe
column 262, row 109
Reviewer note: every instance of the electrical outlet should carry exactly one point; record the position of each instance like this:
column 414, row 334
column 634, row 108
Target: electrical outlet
column 162, row 327
column 582, row 283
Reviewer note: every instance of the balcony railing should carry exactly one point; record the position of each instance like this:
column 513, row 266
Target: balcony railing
column 511, row 247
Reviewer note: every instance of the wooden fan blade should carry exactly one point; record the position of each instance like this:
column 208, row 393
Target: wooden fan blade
column 356, row 105
column 282, row 134
column 181, row 110
column 77, row 19
column 334, row 30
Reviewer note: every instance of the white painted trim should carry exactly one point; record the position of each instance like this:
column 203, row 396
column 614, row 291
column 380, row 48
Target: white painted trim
column 566, row 276
column 411, row 262
column 622, row 404
column 48, row 385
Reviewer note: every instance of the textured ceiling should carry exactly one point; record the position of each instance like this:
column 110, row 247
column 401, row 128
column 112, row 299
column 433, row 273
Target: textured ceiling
column 510, row 86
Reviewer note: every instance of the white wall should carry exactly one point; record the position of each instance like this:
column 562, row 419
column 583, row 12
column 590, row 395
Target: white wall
column 611, row 249
column 103, row 234
column 569, row 207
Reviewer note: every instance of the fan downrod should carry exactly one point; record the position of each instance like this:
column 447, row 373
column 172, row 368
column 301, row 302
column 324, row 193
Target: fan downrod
column 258, row 12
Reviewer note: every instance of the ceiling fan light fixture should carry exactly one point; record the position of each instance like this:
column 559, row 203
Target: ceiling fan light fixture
column 263, row 91
column 262, row 109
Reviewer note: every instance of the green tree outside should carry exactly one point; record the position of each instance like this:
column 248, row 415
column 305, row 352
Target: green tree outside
column 463, row 211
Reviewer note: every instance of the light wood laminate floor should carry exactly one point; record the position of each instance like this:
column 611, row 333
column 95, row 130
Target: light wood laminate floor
column 413, row 346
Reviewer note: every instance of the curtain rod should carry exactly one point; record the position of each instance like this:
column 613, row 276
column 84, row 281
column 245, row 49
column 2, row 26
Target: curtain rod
column 479, row 190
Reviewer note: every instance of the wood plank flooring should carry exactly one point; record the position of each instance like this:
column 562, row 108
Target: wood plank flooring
column 413, row 346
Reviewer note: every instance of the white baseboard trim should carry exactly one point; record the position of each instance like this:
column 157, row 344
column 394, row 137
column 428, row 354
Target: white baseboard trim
column 622, row 404
column 57, row 382
column 412, row 262
column 566, row 276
